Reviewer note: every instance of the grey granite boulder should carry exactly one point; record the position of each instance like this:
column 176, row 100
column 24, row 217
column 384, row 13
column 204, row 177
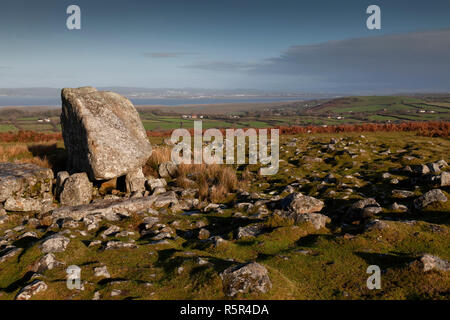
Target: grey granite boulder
column 103, row 133
column 76, row 190
column 245, row 278
column 432, row 196
column 24, row 180
column 23, row 204
column 300, row 204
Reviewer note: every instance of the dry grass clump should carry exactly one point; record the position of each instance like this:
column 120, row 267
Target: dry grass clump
column 158, row 156
column 214, row 181
column 10, row 152
column 23, row 153
column 29, row 136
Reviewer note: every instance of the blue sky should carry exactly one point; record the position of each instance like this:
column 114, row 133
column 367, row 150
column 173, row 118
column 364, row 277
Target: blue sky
column 315, row 46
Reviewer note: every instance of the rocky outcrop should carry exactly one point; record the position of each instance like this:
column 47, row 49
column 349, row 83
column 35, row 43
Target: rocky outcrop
column 112, row 210
column 24, row 180
column 103, row 133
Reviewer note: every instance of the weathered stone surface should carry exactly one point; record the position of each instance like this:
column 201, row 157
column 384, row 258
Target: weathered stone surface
column 30, row 290
column 398, row 207
column 120, row 245
column 362, row 209
column 167, row 169
column 77, row 190
column 402, row 194
column 298, row 203
column 435, row 195
column 444, row 179
column 23, row 204
column 61, row 177
column 250, row 231
column 317, row 220
column 55, row 243
column 8, row 252
column 24, row 180
column 203, row 234
column 47, row 262
column 102, row 272
column 156, row 183
column 245, row 278
column 164, row 199
column 135, row 181
column 430, row 262
column 376, row 225
column 102, row 133
column 113, row 209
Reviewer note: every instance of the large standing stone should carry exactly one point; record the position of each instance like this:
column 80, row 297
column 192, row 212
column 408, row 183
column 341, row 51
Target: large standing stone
column 102, row 133
column 77, row 190
column 24, row 180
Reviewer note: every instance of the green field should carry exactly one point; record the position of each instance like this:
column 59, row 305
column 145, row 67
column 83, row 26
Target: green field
column 346, row 110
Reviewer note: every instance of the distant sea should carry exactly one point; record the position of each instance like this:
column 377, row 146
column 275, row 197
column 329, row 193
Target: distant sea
column 52, row 101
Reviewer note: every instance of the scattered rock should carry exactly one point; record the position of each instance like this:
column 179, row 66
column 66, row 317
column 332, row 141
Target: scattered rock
column 317, row 220
column 30, row 290
column 112, row 210
column 167, row 169
column 376, row 225
column 156, row 183
column 363, row 209
column 8, row 252
column 135, row 181
column 24, row 180
column 432, row 196
column 120, row 245
column 102, row 272
column 245, row 278
column 250, row 231
column 430, row 262
column 402, row 194
column 77, row 190
column 23, row 204
column 47, row 262
column 55, row 243
column 300, row 204
column 398, row 207
column 164, row 199
column 444, row 179
column 203, row 234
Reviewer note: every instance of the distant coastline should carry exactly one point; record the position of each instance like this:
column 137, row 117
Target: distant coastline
column 17, row 101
